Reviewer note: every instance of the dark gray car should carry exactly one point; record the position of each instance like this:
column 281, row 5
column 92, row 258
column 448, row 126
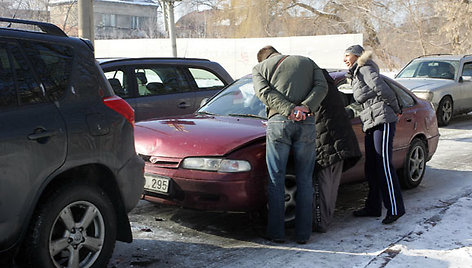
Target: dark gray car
column 69, row 170
column 157, row 87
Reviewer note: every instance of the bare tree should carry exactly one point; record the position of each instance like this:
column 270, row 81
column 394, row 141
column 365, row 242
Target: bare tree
column 457, row 24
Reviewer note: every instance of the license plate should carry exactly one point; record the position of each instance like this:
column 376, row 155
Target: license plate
column 156, row 184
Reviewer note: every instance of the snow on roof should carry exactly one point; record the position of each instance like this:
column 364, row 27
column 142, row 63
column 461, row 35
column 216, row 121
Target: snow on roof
column 131, row 2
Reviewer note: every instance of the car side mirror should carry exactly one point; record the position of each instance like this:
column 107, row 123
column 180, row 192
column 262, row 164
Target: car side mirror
column 465, row 78
column 203, row 102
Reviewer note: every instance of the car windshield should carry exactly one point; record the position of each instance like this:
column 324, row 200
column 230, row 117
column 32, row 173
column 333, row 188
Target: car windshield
column 425, row 68
column 238, row 99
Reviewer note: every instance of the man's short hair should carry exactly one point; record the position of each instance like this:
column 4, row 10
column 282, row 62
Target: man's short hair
column 265, row 52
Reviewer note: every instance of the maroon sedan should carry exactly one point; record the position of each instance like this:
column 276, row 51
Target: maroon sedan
column 215, row 158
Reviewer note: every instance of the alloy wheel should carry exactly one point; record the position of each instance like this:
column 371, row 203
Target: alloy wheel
column 77, row 235
column 417, row 164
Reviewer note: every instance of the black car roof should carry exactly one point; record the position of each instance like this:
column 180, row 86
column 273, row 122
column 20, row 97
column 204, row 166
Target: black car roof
column 47, row 28
column 162, row 59
column 17, row 28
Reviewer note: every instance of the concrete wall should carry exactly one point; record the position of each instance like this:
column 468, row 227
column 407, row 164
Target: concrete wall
column 237, row 56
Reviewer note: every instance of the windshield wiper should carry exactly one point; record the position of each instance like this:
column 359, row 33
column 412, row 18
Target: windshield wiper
column 248, row 115
column 205, row 112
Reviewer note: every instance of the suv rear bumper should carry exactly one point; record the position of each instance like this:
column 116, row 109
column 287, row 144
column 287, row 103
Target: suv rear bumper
column 130, row 179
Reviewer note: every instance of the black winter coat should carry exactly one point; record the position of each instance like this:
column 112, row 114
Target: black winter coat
column 335, row 138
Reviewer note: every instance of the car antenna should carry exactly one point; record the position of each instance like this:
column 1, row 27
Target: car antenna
column 14, row 14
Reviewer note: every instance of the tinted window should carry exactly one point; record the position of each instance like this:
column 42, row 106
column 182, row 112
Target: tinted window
column 29, row 90
column 206, row 80
column 53, row 64
column 159, row 80
column 8, row 95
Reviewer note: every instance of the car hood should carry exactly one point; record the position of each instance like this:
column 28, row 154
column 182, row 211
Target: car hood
column 423, row 84
column 196, row 135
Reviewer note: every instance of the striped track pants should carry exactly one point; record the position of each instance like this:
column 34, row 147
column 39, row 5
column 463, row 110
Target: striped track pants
column 380, row 173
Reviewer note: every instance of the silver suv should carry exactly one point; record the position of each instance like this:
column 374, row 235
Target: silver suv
column 444, row 80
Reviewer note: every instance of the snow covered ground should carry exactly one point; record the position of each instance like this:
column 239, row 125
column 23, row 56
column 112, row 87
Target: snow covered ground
column 436, row 231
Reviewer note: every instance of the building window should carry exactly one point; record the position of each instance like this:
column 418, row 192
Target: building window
column 109, row 20
column 135, row 22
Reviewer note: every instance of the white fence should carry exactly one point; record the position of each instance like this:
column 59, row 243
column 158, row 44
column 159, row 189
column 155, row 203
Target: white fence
column 237, row 56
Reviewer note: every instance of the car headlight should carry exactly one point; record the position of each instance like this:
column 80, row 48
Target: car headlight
column 216, row 164
column 424, row 95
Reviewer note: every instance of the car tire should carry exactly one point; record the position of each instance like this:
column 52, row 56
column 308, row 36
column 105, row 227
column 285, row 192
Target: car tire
column 444, row 111
column 412, row 172
column 290, row 199
column 75, row 226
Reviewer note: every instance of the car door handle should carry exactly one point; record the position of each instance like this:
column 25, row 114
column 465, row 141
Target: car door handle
column 41, row 133
column 408, row 119
column 183, row 105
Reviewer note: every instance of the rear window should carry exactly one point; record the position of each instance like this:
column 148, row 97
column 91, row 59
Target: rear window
column 206, row 80
column 18, row 84
column 53, row 64
column 404, row 98
column 33, row 72
column 8, row 96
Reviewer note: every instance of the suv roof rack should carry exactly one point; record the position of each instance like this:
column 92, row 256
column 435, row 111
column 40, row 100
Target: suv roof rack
column 48, row 28
column 434, row 54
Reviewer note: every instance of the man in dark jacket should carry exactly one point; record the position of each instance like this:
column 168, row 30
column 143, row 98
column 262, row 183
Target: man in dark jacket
column 337, row 150
column 380, row 109
column 291, row 87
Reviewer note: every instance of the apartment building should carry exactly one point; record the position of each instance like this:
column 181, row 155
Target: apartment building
column 114, row 19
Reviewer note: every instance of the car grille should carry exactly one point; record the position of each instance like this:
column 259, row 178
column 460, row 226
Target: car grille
column 165, row 162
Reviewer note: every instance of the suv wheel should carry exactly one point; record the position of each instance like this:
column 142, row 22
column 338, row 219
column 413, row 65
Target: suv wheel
column 75, row 227
column 444, row 112
column 414, row 167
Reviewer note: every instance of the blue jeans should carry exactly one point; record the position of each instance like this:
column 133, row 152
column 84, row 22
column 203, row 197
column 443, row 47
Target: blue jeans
column 285, row 136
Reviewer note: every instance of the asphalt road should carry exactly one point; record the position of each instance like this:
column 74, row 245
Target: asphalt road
column 174, row 237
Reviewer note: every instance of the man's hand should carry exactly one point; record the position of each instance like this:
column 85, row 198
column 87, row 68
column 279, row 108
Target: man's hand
column 299, row 113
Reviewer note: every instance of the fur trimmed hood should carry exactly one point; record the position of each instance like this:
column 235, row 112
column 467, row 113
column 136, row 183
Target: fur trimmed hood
column 364, row 58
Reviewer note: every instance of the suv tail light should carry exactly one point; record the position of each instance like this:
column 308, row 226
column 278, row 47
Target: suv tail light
column 120, row 106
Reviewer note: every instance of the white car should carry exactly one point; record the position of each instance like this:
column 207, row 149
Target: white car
column 444, row 80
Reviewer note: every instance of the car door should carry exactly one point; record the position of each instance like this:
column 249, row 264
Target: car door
column 465, row 87
column 406, row 127
column 206, row 84
column 32, row 136
column 162, row 90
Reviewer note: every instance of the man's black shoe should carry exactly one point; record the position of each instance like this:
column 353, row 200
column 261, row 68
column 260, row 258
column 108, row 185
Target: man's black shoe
column 302, row 242
column 264, row 235
column 391, row 218
column 363, row 212
column 319, row 229
column 275, row 240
